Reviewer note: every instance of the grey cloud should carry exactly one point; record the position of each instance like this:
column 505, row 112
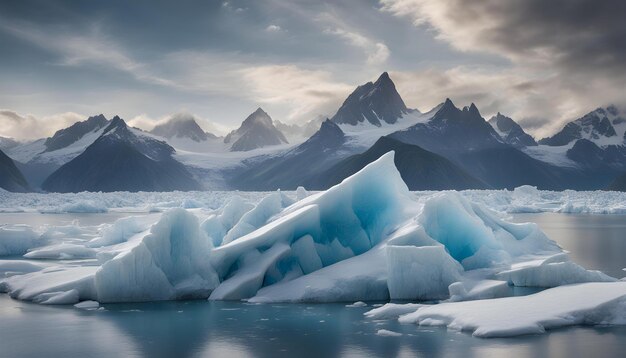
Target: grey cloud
column 568, row 56
column 15, row 125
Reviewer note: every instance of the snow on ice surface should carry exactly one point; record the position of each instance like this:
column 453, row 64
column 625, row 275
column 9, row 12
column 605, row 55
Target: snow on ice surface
column 588, row 303
column 16, row 239
column 392, row 310
column 62, row 251
column 368, row 238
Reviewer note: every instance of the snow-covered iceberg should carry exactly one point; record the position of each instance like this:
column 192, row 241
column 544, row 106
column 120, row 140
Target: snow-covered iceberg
column 588, row 303
column 367, row 238
column 16, row 239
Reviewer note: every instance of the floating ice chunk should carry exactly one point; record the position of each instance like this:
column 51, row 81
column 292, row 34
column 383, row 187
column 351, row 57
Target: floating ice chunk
column 79, row 206
column 62, row 252
column 526, row 190
column 16, row 239
column 477, row 237
column 552, row 274
column 171, row 262
column 420, row 273
column 60, row 233
column 17, row 267
column 121, row 230
column 52, row 279
column 392, row 310
column 88, row 305
column 480, row 290
column 301, row 193
column 387, row 333
column 588, row 303
column 189, row 203
column 357, row 304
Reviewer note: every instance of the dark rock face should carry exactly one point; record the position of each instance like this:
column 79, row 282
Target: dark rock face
column 374, row 102
column 452, row 130
column 182, row 126
column 465, row 138
column 511, row 132
column 119, row 160
column 65, row 137
column 300, row 166
column 256, row 131
column 590, row 156
column 618, row 184
column 419, row 168
column 11, row 178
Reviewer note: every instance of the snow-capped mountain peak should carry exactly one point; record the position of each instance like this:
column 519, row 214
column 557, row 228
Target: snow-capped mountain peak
column 256, row 131
column 181, row 126
column 63, row 146
column 122, row 159
column 511, row 132
column 446, row 110
column 259, row 116
column 67, row 136
column 372, row 102
column 602, row 126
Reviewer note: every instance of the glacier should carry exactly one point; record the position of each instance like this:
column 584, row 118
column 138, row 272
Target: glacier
column 367, row 238
column 524, row 199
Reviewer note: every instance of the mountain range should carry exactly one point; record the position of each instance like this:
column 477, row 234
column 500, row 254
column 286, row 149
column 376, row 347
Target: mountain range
column 122, row 159
column 448, row 147
column 11, row 178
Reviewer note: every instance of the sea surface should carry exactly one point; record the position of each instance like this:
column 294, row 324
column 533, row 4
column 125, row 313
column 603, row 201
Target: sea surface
column 236, row 329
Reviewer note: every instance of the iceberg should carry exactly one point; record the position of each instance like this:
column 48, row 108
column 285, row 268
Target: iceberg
column 367, row 238
column 588, row 303
column 321, row 230
column 170, row 262
column 16, row 240
column 62, row 251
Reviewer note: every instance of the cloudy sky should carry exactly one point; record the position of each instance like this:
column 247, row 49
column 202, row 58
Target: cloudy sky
column 540, row 62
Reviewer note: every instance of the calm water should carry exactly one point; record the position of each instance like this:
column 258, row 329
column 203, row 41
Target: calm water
column 224, row 329
column 596, row 242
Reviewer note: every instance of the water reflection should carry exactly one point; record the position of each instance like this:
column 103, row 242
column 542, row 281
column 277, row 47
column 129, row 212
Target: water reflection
column 233, row 329
column 596, row 242
column 227, row 329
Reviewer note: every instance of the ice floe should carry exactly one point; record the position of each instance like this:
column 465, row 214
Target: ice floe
column 367, row 238
column 588, row 303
